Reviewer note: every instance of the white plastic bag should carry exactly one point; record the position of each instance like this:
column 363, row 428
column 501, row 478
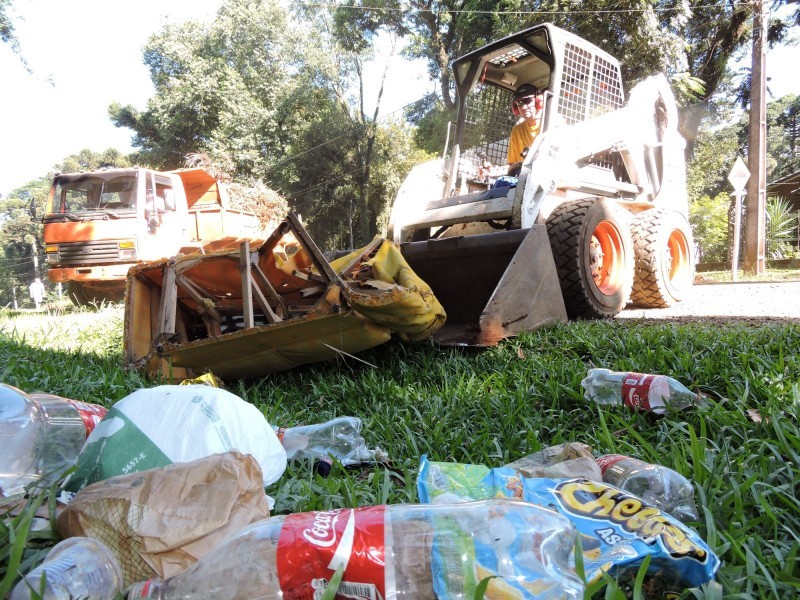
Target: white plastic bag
column 155, row 427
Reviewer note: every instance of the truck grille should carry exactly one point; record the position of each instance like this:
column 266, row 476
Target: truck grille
column 78, row 253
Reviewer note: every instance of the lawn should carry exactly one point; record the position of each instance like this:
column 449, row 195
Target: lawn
column 741, row 450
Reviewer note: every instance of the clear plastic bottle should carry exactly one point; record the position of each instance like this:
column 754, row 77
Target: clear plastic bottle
column 41, row 436
column 396, row 551
column 78, row 567
column 638, row 391
column 660, row 486
column 339, row 438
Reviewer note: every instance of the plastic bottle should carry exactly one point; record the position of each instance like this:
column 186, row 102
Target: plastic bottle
column 396, row 551
column 660, row 486
column 637, row 391
column 339, row 438
column 78, row 567
column 41, row 436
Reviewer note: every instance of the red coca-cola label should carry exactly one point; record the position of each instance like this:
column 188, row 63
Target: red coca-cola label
column 91, row 414
column 313, row 545
column 636, row 390
column 606, row 461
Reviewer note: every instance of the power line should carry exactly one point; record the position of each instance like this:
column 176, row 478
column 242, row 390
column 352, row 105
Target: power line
column 733, row 6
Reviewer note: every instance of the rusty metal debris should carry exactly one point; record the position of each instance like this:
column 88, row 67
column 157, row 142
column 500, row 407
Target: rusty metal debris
column 246, row 313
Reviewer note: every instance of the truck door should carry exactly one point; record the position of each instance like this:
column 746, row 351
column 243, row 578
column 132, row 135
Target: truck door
column 166, row 227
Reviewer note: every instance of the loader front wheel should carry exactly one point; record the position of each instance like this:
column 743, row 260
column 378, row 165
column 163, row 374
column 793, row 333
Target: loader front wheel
column 593, row 251
column 662, row 242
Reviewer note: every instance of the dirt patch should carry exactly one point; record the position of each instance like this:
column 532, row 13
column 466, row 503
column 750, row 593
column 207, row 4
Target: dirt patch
column 729, row 303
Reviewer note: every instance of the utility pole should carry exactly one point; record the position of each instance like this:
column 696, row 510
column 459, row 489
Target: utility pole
column 755, row 238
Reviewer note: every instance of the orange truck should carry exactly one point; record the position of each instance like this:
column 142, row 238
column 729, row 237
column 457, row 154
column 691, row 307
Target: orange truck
column 98, row 224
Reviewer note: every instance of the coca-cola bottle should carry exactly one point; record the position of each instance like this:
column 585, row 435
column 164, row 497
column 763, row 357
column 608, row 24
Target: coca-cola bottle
column 396, row 551
column 638, row 391
column 41, row 436
column 660, row 486
column 78, row 567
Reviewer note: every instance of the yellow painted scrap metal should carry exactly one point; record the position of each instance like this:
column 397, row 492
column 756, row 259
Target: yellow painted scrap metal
column 247, row 313
column 392, row 295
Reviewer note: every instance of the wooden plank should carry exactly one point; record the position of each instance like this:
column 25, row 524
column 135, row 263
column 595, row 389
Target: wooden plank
column 323, row 266
column 369, row 249
column 169, row 301
column 200, row 296
column 277, row 300
column 247, row 285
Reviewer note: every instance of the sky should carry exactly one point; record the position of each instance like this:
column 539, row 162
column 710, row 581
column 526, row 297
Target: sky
column 86, row 54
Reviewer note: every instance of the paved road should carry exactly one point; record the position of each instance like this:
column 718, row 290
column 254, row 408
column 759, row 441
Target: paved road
column 735, row 301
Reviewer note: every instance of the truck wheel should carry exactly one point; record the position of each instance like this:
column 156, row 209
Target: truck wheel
column 81, row 295
column 662, row 242
column 77, row 293
column 593, row 251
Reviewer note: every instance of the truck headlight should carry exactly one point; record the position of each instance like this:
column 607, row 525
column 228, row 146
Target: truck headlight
column 127, row 250
column 52, row 258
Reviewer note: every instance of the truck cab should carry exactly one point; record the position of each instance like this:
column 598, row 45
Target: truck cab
column 98, row 224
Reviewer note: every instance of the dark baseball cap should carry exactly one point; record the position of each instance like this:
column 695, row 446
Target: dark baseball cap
column 526, row 89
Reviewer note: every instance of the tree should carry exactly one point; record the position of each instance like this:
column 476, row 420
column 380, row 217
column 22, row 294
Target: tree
column 708, row 216
column 20, row 247
column 228, row 90
column 783, row 136
column 6, row 25
column 87, row 160
column 714, row 153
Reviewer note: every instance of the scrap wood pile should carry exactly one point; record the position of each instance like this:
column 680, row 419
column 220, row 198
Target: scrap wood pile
column 248, row 313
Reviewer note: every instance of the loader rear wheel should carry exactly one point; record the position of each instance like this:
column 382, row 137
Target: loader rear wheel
column 662, row 242
column 593, row 251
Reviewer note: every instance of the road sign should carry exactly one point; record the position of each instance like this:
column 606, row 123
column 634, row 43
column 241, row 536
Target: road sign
column 739, row 175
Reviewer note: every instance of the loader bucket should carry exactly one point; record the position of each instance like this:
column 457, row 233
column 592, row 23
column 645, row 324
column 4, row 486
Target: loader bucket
column 492, row 286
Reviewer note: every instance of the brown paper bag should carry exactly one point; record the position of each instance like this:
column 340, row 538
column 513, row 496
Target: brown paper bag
column 161, row 521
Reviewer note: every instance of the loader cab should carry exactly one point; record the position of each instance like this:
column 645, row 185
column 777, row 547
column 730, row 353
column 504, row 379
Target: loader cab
column 580, row 81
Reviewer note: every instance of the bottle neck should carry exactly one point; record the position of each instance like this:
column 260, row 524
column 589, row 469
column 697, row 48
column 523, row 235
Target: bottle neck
column 144, row 589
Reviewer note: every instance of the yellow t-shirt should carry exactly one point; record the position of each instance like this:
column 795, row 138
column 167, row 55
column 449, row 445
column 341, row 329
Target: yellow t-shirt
column 522, row 137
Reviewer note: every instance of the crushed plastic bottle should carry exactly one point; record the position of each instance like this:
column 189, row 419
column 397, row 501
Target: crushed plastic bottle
column 398, row 551
column 339, row 438
column 637, row 391
column 78, row 567
column 661, row 486
column 41, row 436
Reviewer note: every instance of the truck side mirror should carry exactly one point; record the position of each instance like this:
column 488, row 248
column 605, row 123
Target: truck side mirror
column 32, row 208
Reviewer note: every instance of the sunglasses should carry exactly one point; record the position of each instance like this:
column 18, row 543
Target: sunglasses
column 525, row 100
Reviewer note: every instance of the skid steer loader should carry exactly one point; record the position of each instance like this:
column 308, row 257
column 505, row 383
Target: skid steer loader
column 596, row 218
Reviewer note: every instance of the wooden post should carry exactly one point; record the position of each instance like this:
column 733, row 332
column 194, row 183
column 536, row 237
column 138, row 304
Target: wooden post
column 755, row 218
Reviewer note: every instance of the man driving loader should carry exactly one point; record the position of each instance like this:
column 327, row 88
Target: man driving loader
column 527, row 104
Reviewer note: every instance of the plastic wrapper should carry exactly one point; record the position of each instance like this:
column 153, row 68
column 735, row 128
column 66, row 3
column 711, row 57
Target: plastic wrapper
column 398, row 551
column 617, row 529
column 158, row 426
column 559, row 462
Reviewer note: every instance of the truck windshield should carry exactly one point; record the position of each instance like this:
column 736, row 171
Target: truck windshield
column 94, row 194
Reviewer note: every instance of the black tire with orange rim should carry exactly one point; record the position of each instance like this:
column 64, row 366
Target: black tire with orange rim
column 593, row 250
column 664, row 250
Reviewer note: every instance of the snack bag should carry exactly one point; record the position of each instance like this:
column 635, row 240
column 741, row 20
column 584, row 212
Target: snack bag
column 617, row 529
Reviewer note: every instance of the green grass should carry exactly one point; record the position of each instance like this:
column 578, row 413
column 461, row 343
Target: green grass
column 745, row 277
column 495, row 406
